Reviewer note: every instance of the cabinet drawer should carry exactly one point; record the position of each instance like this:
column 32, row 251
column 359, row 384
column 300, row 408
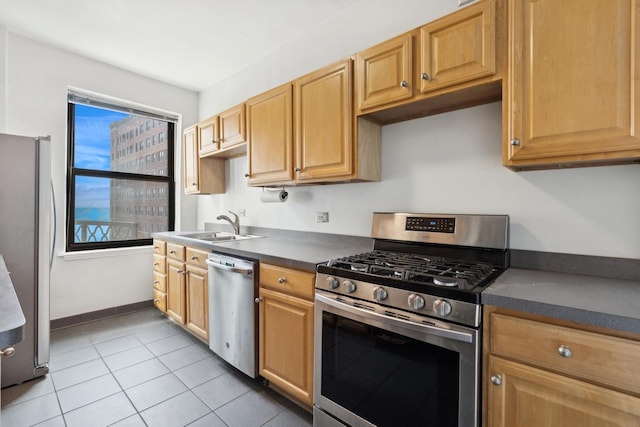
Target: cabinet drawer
column 197, row 257
column 597, row 357
column 282, row 279
column 160, row 300
column 159, row 247
column 159, row 263
column 160, row 281
column 175, row 251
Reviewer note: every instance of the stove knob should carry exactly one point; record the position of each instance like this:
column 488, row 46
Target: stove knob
column 379, row 293
column 442, row 307
column 349, row 286
column 416, row 302
column 332, row 282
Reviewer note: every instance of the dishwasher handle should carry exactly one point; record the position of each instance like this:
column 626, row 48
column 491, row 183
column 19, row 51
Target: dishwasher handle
column 246, row 271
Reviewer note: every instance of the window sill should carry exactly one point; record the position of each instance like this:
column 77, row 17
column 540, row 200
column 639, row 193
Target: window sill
column 101, row 253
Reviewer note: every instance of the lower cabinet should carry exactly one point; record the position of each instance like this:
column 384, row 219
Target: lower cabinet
column 197, row 294
column 528, row 396
column 548, row 372
column 182, row 293
column 286, row 330
column 160, row 275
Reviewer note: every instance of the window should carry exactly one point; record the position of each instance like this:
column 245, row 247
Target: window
column 110, row 189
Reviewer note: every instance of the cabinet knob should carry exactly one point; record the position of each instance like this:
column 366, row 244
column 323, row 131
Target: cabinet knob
column 156, row 300
column 246, row 175
column 282, row 280
column 156, row 282
column 193, row 258
column 156, row 264
column 496, row 379
column 258, row 300
column 297, row 169
column 194, row 183
column 425, row 76
column 182, row 271
column 515, row 142
column 172, row 252
column 404, row 83
column 7, row 352
column 564, row 351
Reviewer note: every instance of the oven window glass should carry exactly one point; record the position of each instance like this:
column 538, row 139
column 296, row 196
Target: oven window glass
column 388, row 379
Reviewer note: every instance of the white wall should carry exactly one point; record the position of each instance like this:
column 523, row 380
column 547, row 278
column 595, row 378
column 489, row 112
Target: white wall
column 449, row 163
column 36, row 92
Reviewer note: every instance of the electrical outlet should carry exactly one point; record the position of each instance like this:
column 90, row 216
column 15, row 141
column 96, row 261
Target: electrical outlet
column 322, row 216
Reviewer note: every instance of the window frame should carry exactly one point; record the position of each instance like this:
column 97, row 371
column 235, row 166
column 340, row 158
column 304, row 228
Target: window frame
column 73, row 173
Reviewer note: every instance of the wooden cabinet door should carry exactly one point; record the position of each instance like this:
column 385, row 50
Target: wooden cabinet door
column 270, row 136
column 286, row 343
column 191, row 161
column 176, row 274
column 459, row 47
column 208, row 136
column 530, row 397
column 232, row 126
column 571, row 92
column 384, row 73
column 323, row 123
column 197, row 301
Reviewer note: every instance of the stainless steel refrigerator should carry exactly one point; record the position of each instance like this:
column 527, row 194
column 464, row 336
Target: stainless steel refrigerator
column 25, row 230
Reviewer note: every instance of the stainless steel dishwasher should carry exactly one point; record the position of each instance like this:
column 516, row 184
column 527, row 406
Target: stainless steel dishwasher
column 232, row 311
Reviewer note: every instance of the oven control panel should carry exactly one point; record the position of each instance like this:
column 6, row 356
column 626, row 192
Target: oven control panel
column 430, row 224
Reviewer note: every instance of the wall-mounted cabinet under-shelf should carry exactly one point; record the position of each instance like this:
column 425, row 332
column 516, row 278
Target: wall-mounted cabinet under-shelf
column 201, row 175
column 451, row 63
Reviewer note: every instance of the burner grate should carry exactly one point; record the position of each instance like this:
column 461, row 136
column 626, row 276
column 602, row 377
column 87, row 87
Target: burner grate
column 416, row 268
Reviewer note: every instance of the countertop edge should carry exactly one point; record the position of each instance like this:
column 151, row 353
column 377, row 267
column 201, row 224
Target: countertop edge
column 588, row 317
column 12, row 318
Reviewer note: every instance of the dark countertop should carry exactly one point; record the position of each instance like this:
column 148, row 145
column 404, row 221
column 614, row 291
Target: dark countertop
column 300, row 250
column 12, row 319
column 542, row 283
column 606, row 302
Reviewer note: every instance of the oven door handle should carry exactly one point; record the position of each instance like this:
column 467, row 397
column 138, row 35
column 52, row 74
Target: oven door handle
column 448, row 332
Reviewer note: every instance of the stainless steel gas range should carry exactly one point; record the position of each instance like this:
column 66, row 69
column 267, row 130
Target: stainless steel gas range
column 398, row 329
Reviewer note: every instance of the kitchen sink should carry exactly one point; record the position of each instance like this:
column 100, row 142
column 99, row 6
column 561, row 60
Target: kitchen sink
column 211, row 236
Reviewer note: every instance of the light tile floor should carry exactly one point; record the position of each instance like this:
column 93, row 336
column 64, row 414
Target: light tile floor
column 140, row 369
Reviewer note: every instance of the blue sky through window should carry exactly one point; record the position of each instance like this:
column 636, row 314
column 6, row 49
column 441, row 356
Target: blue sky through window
column 92, row 150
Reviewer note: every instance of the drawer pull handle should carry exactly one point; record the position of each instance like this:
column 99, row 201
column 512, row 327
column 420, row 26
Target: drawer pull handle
column 157, row 264
column 193, row 258
column 282, row 280
column 156, row 282
column 564, row 351
column 496, row 379
column 172, row 252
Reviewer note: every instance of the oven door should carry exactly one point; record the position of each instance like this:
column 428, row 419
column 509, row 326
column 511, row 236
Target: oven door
column 376, row 370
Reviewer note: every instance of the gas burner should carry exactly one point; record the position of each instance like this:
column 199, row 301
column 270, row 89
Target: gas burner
column 449, row 282
column 359, row 267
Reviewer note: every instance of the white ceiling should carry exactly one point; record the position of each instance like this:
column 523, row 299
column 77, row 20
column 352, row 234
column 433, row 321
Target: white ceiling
column 188, row 43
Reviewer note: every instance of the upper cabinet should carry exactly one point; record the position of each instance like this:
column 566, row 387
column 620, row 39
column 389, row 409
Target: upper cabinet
column 224, row 135
column 458, row 48
column 232, row 126
column 385, row 72
column 323, row 123
column 317, row 141
column 453, row 62
column 208, row 136
column 570, row 92
column 270, row 136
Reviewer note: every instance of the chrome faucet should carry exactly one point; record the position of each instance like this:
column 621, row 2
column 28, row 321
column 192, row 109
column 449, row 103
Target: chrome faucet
column 235, row 223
